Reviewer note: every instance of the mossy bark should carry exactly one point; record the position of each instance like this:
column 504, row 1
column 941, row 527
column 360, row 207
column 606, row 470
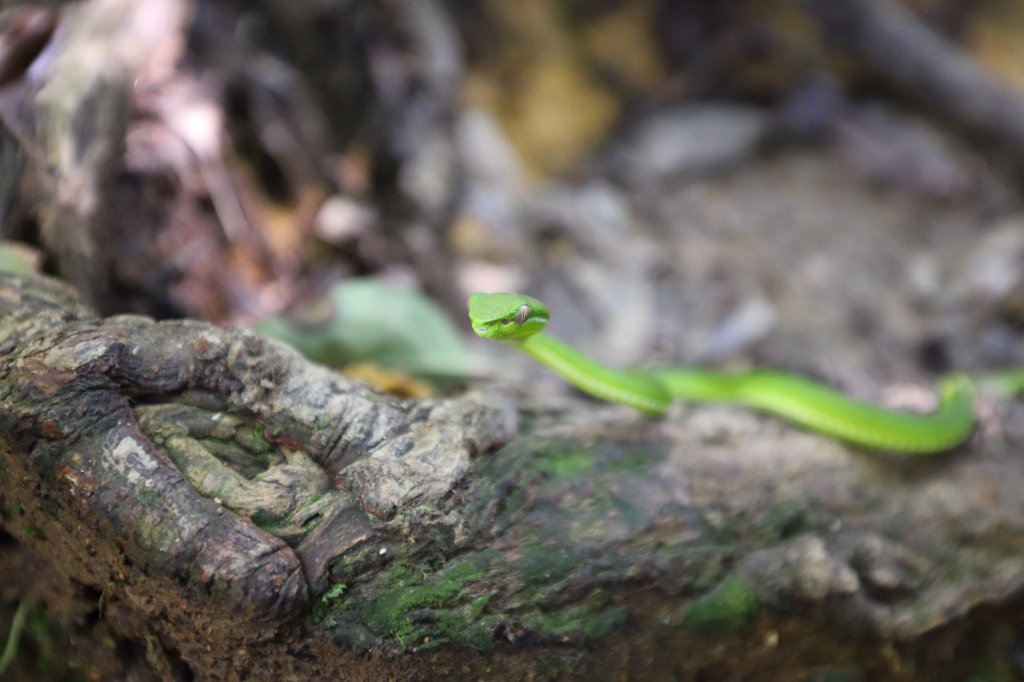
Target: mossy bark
column 224, row 495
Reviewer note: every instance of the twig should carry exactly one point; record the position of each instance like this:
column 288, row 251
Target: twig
column 906, row 54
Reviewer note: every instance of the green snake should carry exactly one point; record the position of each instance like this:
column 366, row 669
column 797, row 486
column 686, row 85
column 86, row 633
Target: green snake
column 519, row 320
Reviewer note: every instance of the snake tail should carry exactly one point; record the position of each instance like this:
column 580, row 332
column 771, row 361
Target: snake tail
column 817, row 407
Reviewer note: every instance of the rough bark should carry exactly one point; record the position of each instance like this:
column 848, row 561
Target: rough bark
column 227, row 496
column 181, row 445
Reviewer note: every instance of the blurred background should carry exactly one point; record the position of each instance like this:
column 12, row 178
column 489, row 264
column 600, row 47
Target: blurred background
column 831, row 187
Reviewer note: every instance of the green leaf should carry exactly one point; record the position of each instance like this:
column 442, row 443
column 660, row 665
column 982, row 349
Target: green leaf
column 18, row 260
column 367, row 320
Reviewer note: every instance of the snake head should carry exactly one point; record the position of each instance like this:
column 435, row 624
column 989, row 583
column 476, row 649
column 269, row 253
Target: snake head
column 506, row 316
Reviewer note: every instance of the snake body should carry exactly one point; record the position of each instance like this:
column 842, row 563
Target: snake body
column 518, row 320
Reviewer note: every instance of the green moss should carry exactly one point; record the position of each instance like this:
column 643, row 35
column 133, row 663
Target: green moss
column 552, row 458
column 729, row 607
column 419, row 609
column 568, row 464
column 543, row 563
column 336, row 591
column 264, row 521
column 325, row 607
column 782, row 520
column 466, row 625
column 788, row 518
column 577, row 624
column 31, row 531
column 252, row 438
column 411, row 595
column 425, row 610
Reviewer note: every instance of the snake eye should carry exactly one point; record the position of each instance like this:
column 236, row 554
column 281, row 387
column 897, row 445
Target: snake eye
column 523, row 314
column 506, row 321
